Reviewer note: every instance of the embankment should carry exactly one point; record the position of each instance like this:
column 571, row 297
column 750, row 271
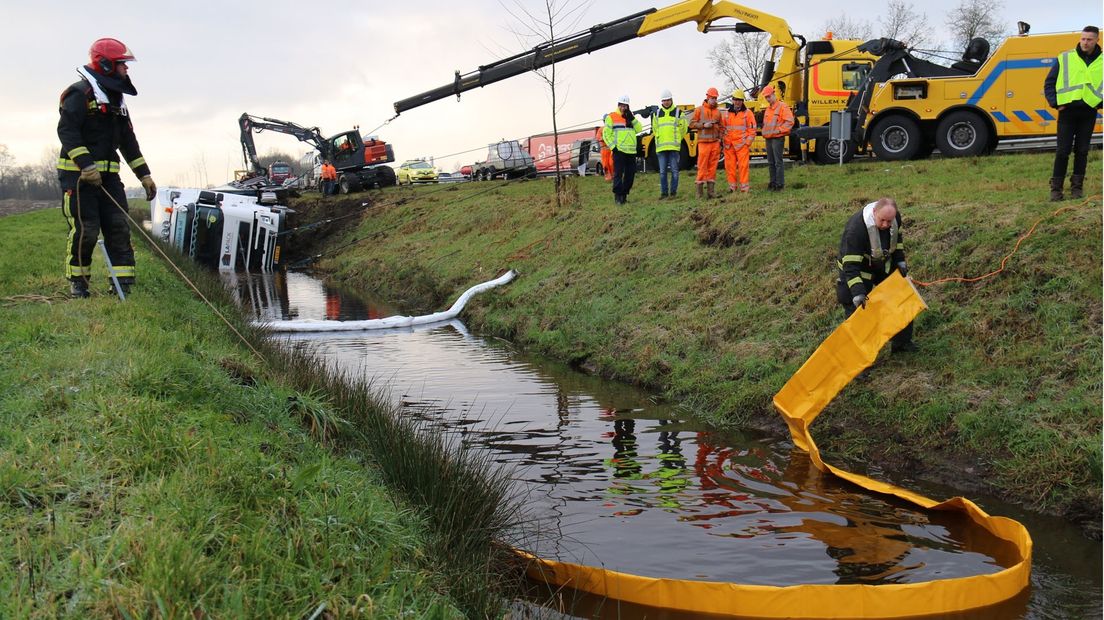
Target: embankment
column 716, row 304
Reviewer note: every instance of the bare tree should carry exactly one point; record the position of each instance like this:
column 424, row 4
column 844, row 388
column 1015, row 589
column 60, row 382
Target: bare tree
column 739, row 59
column 844, row 27
column 903, row 23
column 976, row 18
column 557, row 18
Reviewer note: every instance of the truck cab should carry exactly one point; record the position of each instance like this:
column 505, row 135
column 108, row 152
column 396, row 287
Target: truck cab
column 278, row 172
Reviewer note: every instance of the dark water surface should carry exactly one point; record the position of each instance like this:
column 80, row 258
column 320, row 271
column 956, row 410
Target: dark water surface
column 615, row 479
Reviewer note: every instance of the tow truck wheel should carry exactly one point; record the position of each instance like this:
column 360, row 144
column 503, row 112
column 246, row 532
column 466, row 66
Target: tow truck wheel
column 896, row 137
column 962, row 134
column 828, row 151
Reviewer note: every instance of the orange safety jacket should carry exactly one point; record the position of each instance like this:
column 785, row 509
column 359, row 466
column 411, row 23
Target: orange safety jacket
column 739, row 128
column 777, row 120
column 704, row 113
column 329, row 173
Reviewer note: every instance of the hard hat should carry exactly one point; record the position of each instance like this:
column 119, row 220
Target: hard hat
column 768, row 91
column 623, row 99
column 712, row 92
column 738, row 94
column 105, row 53
column 663, row 96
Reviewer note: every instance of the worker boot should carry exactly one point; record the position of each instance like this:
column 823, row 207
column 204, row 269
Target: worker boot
column 1056, row 189
column 701, row 188
column 78, row 289
column 1077, row 185
column 709, row 190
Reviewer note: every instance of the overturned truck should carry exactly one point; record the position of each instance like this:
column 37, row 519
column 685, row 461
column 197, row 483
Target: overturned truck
column 221, row 230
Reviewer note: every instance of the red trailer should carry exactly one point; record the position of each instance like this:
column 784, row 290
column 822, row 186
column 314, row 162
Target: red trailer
column 541, row 147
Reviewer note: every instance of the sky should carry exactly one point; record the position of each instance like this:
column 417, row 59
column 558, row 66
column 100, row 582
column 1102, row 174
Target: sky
column 201, row 64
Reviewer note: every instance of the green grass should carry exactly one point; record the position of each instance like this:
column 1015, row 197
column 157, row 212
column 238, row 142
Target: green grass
column 151, row 464
column 716, row 304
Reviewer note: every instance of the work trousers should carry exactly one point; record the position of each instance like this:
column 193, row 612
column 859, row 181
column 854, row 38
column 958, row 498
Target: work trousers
column 737, row 163
column 88, row 211
column 624, row 171
column 668, row 162
column 843, row 296
column 1075, row 127
column 776, row 147
column 607, row 164
column 709, row 155
column 328, row 187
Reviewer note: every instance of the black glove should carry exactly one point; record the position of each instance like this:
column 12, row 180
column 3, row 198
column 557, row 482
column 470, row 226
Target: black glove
column 903, row 268
column 859, row 300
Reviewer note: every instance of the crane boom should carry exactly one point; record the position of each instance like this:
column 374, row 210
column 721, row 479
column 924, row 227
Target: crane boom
column 704, row 12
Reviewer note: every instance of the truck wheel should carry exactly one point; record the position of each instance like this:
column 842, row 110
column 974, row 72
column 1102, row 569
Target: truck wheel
column 344, row 185
column 962, row 134
column 385, row 177
column 895, row 137
column 828, row 151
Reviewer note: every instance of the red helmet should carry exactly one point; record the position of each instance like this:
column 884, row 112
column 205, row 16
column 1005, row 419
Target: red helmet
column 712, row 92
column 104, row 53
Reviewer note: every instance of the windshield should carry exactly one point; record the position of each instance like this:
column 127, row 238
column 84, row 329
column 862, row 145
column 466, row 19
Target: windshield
column 421, row 165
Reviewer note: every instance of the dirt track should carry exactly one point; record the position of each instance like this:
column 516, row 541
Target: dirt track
column 11, row 206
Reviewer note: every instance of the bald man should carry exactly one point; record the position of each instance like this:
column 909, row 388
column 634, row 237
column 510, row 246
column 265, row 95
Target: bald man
column 871, row 248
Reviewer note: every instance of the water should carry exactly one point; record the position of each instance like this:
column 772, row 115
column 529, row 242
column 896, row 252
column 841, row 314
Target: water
column 615, row 479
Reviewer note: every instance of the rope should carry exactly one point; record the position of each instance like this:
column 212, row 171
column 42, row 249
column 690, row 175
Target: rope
column 165, row 256
column 1004, row 261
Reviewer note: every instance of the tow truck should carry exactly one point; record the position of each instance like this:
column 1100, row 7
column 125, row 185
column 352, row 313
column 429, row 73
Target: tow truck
column 360, row 163
column 816, row 78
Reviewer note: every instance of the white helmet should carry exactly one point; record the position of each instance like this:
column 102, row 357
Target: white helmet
column 665, row 95
column 623, row 99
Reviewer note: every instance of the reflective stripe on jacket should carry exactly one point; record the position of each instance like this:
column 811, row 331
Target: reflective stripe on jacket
column 777, row 120
column 1078, row 81
column 668, row 129
column 704, row 113
column 94, row 134
column 739, row 128
column 618, row 135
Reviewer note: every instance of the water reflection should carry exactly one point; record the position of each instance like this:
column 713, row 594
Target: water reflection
column 629, row 484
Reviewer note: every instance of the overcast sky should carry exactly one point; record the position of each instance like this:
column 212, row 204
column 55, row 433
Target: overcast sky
column 336, row 65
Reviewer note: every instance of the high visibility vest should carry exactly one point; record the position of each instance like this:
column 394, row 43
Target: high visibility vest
column 704, row 113
column 739, row 128
column 619, row 135
column 1076, row 80
column 329, row 173
column 777, row 120
column 668, row 129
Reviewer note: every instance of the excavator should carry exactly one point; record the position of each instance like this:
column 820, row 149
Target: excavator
column 957, row 108
column 359, row 163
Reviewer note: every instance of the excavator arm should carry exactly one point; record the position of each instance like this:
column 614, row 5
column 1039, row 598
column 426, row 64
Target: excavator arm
column 250, row 124
column 703, row 12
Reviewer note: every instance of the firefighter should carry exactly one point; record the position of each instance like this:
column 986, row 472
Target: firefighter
column 778, row 120
column 621, row 128
column 93, row 128
column 707, row 121
column 668, row 130
column 1073, row 88
column 871, row 248
column 739, row 132
column 329, row 178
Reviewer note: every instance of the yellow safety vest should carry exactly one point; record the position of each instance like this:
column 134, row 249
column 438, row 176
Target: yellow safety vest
column 668, row 127
column 1076, row 80
column 618, row 135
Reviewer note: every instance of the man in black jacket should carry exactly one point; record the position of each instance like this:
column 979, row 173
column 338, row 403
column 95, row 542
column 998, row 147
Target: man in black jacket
column 1073, row 88
column 871, row 248
column 93, row 128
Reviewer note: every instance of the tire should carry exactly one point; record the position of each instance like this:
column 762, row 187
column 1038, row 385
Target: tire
column 385, row 177
column 896, row 137
column 345, row 186
column 828, row 151
column 962, row 134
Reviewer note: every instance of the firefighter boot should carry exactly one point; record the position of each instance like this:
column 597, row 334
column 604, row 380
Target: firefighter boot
column 709, row 190
column 78, row 288
column 701, row 188
column 1056, row 189
column 1077, row 185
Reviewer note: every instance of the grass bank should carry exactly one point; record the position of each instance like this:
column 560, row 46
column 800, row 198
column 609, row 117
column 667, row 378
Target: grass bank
column 717, row 303
column 154, row 464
